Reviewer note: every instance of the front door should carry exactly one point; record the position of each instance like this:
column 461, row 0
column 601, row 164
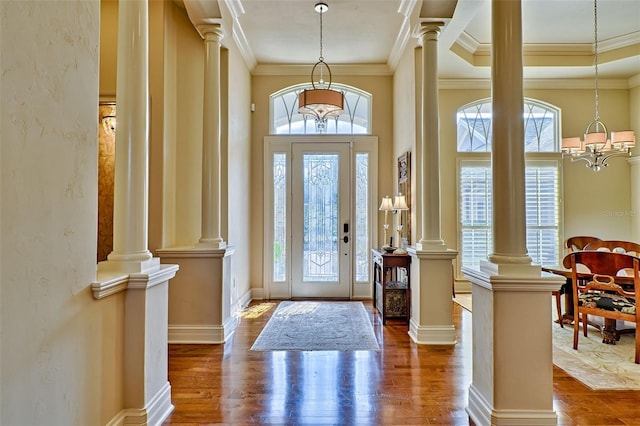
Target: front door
column 320, row 229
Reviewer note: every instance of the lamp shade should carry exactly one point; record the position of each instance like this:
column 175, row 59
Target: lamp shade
column 321, row 103
column 623, row 138
column 572, row 144
column 386, row 204
column 400, row 203
column 599, row 139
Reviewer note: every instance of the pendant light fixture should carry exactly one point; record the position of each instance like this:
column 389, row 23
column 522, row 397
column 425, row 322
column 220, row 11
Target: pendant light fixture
column 321, row 102
column 597, row 146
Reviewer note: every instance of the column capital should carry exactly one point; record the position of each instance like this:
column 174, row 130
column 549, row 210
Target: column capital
column 211, row 32
column 429, row 30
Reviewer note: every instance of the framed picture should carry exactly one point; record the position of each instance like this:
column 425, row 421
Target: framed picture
column 404, row 188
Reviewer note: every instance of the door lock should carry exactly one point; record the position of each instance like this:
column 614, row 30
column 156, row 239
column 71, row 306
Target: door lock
column 345, row 238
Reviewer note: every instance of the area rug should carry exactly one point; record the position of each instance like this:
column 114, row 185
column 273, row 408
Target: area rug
column 597, row 365
column 594, row 363
column 318, row 326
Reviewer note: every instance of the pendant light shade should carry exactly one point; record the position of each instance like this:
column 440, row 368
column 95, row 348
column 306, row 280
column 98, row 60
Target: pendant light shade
column 320, row 102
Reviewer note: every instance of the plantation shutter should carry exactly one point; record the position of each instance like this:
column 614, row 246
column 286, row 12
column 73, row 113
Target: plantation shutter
column 542, row 211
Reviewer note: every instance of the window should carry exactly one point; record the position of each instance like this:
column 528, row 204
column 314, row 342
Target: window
column 542, row 181
column 285, row 118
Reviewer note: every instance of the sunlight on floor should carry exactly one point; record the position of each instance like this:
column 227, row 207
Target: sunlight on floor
column 256, row 311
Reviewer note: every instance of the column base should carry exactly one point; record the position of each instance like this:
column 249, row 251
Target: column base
column 482, row 413
column 212, row 243
column 432, row 335
column 431, row 297
column 203, row 300
column 431, row 245
column 122, row 264
column 511, row 369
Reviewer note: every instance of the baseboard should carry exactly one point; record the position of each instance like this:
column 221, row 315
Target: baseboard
column 481, row 412
column 157, row 411
column 257, row 293
column 196, row 334
column 244, row 300
column 432, row 335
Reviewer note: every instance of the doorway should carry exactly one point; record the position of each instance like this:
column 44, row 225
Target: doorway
column 320, row 207
column 319, row 216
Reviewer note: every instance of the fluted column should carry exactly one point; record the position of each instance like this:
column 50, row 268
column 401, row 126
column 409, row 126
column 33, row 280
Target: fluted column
column 211, row 135
column 131, row 191
column 430, row 141
column 507, row 152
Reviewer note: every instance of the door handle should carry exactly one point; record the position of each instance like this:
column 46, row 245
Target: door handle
column 345, row 238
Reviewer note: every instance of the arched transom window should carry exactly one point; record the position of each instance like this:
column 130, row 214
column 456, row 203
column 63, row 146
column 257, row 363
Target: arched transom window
column 285, row 119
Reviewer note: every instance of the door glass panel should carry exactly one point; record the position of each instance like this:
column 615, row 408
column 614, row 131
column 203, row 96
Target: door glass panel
column 320, row 191
column 279, row 217
column 362, row 217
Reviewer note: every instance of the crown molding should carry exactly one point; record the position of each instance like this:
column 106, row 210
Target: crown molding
column 634, row 81
column 405, row 9
column 546, row 83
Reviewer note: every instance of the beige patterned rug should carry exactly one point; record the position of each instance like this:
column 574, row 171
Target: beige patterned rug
column 318, row 326
column 597, row 365
column 594, row 363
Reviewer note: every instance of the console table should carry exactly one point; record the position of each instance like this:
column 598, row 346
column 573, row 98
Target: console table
column 392, row 285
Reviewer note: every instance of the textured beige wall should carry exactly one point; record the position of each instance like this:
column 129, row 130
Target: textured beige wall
column 61, row 352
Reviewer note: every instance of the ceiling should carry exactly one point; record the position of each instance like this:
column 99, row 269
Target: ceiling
column 558, row 35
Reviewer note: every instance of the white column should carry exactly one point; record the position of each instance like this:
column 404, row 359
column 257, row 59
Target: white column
column 430, row 140
column 211, row 135
column 131, row 191
column 507, row 153
column 508, row 288
column 431, row 308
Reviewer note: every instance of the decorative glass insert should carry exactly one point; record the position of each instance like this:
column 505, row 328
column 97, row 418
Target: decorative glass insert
column 361, row 228
column 320, row 217
column 279, row 216
column 541, row 127
column 286, row 119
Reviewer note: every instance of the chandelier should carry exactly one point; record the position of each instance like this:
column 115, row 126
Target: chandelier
column 597, row 146
column 321, row 102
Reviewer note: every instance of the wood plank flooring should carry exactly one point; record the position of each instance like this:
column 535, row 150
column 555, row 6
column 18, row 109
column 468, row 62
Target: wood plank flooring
column 403, row 384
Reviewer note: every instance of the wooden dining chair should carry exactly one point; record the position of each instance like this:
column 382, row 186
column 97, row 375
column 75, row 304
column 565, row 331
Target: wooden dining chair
column 579, row 242
column 615, row 246
column 572, row 244
column 601, row 295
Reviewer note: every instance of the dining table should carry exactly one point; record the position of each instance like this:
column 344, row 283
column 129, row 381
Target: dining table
column 610, row 332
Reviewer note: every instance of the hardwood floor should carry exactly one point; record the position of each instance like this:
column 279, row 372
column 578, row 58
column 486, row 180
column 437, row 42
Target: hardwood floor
column 403, row 384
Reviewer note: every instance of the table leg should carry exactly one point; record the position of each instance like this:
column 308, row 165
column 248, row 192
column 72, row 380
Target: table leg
column 609, row 333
